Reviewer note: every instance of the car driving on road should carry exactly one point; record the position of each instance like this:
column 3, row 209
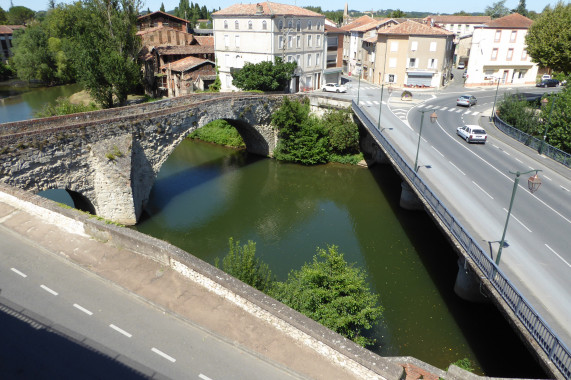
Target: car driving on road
column 466, row 100
column 472, row 133
column 548, row 83
column 334, row 87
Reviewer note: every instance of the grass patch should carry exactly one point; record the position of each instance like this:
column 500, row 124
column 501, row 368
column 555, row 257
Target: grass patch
column 219, row 132
column 349, row 159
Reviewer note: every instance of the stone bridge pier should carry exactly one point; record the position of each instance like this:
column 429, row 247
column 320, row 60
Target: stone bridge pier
column 108, row 160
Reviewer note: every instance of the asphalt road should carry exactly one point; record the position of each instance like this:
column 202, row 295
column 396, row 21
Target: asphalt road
column 110, row 327
column 474, row 181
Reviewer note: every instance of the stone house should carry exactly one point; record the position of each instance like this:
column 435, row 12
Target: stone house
column 263, row 31
column 498, row 52
column 333, row 54
column 165, row 40
column 187, row 75
column 462, row 27
column 6, row 33
column 351, row 43
column 413, row 54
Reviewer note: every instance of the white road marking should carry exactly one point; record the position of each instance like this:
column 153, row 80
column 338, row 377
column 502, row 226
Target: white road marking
column 49, row 290
column 120, row 330
column 423, row 139
column 437, row 151
column 457, row 168
column 204, row 377
column 518, row 160
column 18, row 272
column 484, row 191
column 460, row 110
column 517, row 220
column 506, row 153
column 556, row 254
column 82, row 309
column 159, row 352
column 564, row 188
column 546, row 177
column 443, row 108
column 501, row 172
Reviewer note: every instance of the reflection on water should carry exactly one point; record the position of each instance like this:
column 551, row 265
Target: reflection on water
column 205, row 194
column 22, row 102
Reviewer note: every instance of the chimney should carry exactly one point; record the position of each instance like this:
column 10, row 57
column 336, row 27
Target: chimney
column 259, row 9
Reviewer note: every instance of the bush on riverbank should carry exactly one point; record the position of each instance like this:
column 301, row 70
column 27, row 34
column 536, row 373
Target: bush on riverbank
column 329, row 290
column 219, row 132
column 308, row 140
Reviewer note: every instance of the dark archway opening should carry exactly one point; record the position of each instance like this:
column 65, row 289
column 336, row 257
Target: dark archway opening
column 69, row 198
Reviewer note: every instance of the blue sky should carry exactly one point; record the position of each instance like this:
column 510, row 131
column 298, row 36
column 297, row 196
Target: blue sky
column 435, row 6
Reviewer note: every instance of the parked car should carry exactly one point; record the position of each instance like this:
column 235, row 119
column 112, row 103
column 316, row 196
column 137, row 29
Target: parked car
column 472, row 133
column 466, row 100
column 465, row 74
column 548, row 83
column 545, row 76
column 461, row 65
column 334, row 87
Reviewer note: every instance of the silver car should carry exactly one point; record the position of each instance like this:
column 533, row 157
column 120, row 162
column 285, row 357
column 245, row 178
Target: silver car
column 466, row 100
column 472, row 133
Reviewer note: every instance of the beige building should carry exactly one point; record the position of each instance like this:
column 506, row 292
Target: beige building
column 412, row 54
column 498, row 52
column 263, row 31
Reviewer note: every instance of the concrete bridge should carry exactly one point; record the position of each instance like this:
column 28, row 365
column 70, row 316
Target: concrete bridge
column 108, row 160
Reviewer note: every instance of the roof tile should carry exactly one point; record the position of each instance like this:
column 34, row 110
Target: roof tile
column 515, row 20
column 410, row 27
column 185, row 64
column 267, row 8
column 452, row 19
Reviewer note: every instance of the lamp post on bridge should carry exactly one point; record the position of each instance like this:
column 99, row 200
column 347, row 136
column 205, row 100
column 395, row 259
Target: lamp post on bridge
column 533, row 184
column 359, row 87
column 389, row 90
column 495, row 98
column 433, row 118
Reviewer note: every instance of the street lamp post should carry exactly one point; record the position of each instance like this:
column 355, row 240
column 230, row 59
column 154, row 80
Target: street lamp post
column 359, row 88
column 495, row 98
column 544, row 101
column 381, row 106
column 433, row 118
column 533, row 184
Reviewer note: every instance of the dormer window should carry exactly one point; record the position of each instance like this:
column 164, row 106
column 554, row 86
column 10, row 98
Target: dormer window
column 236, row 25
column 250, row 24
column 264, row 25
column 225, row 24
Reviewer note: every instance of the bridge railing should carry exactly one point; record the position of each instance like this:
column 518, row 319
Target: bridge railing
column 553, row 347
column 533, row 142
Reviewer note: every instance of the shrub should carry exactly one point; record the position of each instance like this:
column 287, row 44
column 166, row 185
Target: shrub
column 219, row 132
column 63, row 106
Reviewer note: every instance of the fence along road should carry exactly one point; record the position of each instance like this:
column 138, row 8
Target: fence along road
column 555, row 353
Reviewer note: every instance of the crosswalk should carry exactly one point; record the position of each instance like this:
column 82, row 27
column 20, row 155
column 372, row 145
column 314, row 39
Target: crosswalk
column 370, row 103
column 450, row 109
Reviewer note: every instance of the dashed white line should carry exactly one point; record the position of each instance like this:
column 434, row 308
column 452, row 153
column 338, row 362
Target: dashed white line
column 457, row 168
column 484, row 191
column 546, row 177
column 120, row 330
column 517, row 220
column 18, row 272
column 518, row 160
column 564, row 188
column 204, row 377
column 437, row 151
column 506, row 153
column 443, row 108
column 556, row 254
column 159, row 352
column 82, row 309
column 49, row 290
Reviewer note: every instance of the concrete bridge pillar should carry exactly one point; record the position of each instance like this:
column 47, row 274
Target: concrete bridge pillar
column 467, row 285
column 408, row 198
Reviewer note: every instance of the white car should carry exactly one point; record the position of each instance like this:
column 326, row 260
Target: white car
column 545, row 76
column 334, row 87
column 472, row 133
column 461, row 65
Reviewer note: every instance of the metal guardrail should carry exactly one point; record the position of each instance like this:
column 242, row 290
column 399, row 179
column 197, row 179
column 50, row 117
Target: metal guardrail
column 533, row 142
column 553, row 347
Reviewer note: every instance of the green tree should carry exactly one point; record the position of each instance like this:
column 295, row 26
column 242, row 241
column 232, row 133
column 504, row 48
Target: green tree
column 19, row 15
column 549, row 38
column 3, row 17
column 521, row 9
column 241, row 262
column 333, row 293
column 32, row 57
column 162, row 9
column 497, row 10
column 557, row 125
column 396, row 14
column 342, row 131
column 6, row 71
column 519, row 113
column 461, row 13
column 105, row 48
column 264, row 76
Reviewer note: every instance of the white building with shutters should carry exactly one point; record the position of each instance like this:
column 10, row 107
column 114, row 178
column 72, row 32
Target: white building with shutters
column 263, row 31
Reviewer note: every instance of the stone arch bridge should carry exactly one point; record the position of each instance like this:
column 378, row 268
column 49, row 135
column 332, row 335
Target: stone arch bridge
column 108, row 160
